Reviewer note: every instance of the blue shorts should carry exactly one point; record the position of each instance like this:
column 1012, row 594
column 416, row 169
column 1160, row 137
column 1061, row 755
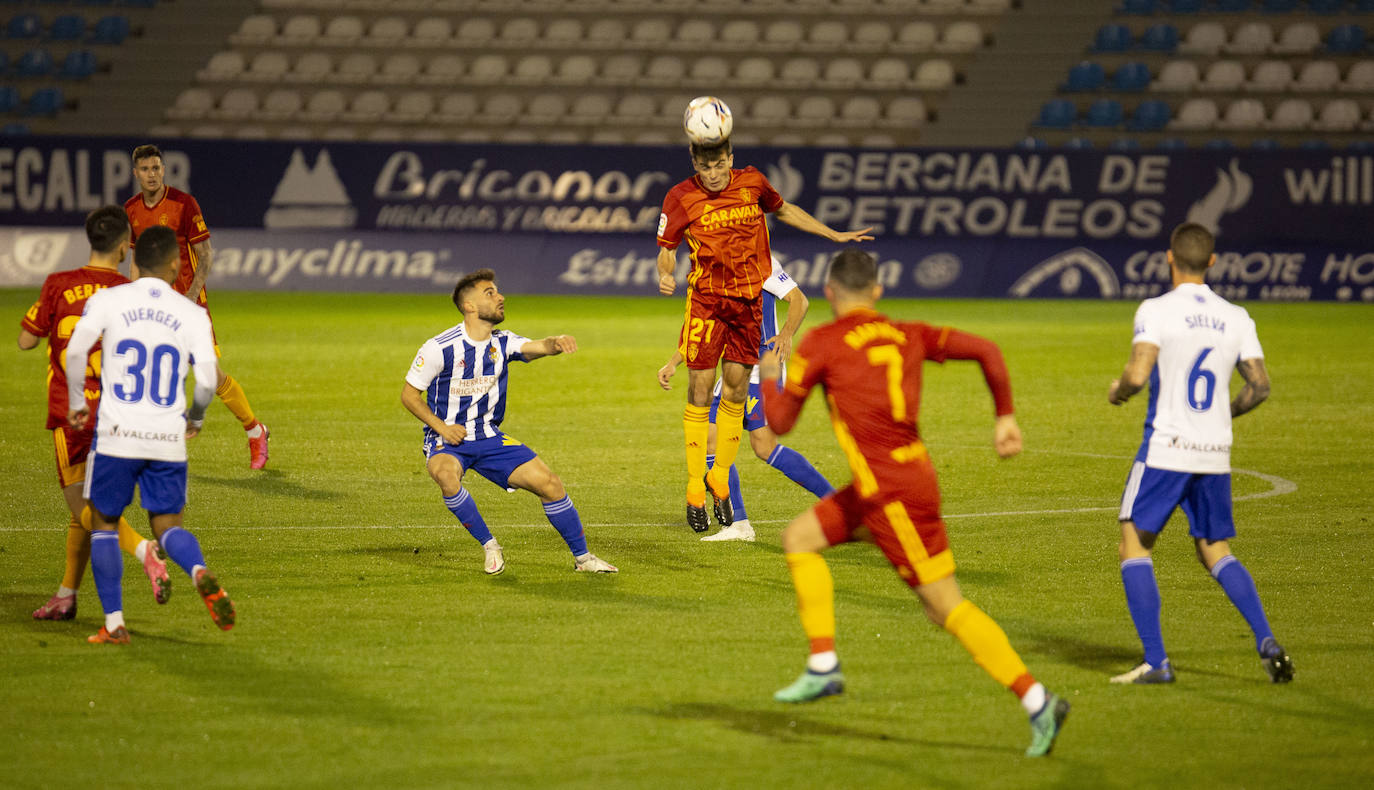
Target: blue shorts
column 493, row 458
column 110, row 484
column 753, row 407
column 1152, row 494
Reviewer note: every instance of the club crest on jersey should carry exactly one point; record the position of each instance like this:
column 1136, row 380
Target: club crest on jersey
column 162, row 220
column 746, row 194
column 491, row 354
column 692, row 351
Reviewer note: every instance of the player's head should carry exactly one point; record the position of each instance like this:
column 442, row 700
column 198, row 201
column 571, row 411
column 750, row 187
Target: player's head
column 476, row 295
column 713, row 163
column 1192, row 248
column 148, row 168
column 107, row 229
column 853, row 280
column 156, row 253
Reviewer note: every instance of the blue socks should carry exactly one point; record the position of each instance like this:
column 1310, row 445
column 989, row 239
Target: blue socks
column 563, row 516
column 465, row 510
column 1142, row 598
column 108, row 568
column 183, row 548
column 736, row 495
column 799, row 470
column 1239, row 587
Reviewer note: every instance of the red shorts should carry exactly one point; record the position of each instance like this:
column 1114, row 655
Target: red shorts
column 719, row 327
column 71, row 448
column 906, row 525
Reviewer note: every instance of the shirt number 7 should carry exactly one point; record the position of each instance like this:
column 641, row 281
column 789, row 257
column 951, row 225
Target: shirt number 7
column 891, row 357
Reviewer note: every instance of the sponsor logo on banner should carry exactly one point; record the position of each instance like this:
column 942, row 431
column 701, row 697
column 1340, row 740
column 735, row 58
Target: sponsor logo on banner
column 310, row 197
column 937, row 271
column 786, row 179
column 1231, row 193
column 30, row 255
column 1068, row 268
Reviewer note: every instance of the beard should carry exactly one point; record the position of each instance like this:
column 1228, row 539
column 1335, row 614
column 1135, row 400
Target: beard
column 494, row 316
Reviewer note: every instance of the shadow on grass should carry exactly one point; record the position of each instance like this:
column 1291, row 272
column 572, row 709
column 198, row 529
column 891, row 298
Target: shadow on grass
column 270, row 482
column 1074, row 649
column 786, row 725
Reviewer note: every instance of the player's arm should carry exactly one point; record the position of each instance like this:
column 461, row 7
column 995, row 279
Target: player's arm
column 665, row 373
column 782, row 405
column 85, row 335
column 1256, row 388
column 414, row 401
column 206, row 371
column 1006, row 434
column 551, row 346
column 27, row 340
column 797, row 305
column 1137, row 372
column 798, row 218
column 205, row 255
column 667, row 265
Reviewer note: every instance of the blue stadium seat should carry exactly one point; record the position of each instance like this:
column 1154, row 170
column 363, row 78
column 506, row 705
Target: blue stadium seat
column 1162, row 37
column 24, row 26
column 1345, row 39
column 15, row 129
column 45, row 101
column 1279, row 6
column 1086, row 76
column 1265, row 144
column 1032, row 144
column 1057, row 114
column 110, row 30
column 1124, row 144
column 34, row 63
column 1185, row 6
column 138, row 3
column 78, row 65
column 1150, row 116
column 1171, row 144
column 1078, row 143
column 1314, row 145
column 1360, row 146
column 4, row 62
column 1233, row 6
column 1326, row 6
column 1219, row 144
column 1142, row 7
column 1131, row 77
column 1104, row 113
column 9, row 98
column 68, row 27
column 1112, row 38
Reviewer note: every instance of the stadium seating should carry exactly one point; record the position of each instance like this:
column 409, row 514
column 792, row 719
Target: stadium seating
column 110, row 30
column 1223, row 75
column 1195, row 115
column 1085, row 76
column 1112, row 37
column 34, row 63
column 1177, row 75
column 1150, row 116
column 9, row 99
column 1338, row 115
column 1318, row 76
column 1291, row 115
column 68, row 27
column 1104, row 112
column 1057, row 114
column 22, row 26
column 1161, row 37
column 45, row 101
column 1346, row 40
column 1131, row 77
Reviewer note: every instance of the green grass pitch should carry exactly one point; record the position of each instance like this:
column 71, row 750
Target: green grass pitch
column 371, row 651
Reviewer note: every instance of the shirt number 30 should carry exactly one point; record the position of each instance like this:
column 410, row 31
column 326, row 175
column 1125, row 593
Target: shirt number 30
column 155, row 374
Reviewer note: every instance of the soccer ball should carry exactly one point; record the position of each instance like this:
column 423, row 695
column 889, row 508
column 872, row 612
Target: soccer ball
column 707, row 121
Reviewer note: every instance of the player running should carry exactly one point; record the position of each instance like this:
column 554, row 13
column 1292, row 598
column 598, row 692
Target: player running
column 159, row 204
column 1187, row 343
column 764, row 442
column 153, row 336
column 870, row 369
column 720, row 213
column 457, row 388
column 53, row 316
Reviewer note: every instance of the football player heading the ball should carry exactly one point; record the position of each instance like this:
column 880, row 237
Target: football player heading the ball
column 720, row 211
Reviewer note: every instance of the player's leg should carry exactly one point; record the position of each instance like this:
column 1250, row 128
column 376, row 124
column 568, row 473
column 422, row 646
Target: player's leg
column 231, row 394
column 803, row 540
column 162, row 488
column 535, row 476
column 110, row 488
column 734, row 389
column 1211, row 522
column 146, row 551
column 739, row 528
column 446, row 470
column 696, row 433
column 788, row 461
column 1150, row 497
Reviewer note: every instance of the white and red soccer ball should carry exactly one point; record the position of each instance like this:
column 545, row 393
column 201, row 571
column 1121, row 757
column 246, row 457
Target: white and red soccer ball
column 707, row 121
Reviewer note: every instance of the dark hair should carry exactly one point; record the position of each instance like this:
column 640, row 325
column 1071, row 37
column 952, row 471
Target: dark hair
column 1192, row 246
column 709, row 153
column 467, row 282
column 146, row 151
column 106, row 227
column 156, row 248
column 852, row 269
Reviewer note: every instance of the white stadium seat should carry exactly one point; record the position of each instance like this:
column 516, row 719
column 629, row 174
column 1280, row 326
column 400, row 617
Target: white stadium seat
column 563, row 33
column 280, row 104
column 1176, row 75
column 299, row 31
column 1319, row 76
column 651, row 33
column 475, row 32
column 444, row 69
column 827, row 35
column 367, row 107
column 519, row 32
column 1251, row 38
column 456, row 107
column 311, row 67
column 501, row 108
column 888, row 73
column 915, row 37
column 1291, row 115
column 873, row 36
column 413, row 107
column 575, row 70
column 842, row 74
column 860, row 111
column 606, row 34
column 1242, row 114
column 488, row 69
column 1204, row 38
column 755, row 72
column 962, row 36
column 905, row 112
column 1299, row 38
column 267, row 67
column 532, row 70
column 783, row 35
column 191, row 104
column 664, row 70
column 621, row 69
column 236, row 104
column 1271, row 76
column 342, row 31
column 1224, row 75
column 223, row 66
column 799, row 72
column 546, row 108
column 591, row 108
column 355, row 68
column 936, row 74
column 398, row 69
column 1338, row 115
column 255, row 30
column 388, row 31
column 323, row 106
column 770, row 111
column 433, row 31
column 1195, row 115
column 636, row 108
column 1360, row 78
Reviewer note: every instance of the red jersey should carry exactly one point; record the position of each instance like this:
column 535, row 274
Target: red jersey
column 180, row 212
column 53, row 316
column 870, row 368
column 725, row 232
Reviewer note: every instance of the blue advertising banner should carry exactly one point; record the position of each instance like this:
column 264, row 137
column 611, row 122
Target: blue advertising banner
column 564, row 219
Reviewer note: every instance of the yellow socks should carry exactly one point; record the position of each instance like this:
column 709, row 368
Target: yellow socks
column 815, row 597
column 729, row 429
column 985, row 640
column 233, row 396
column 694, row 430
column 78, row 553
column 129, row 538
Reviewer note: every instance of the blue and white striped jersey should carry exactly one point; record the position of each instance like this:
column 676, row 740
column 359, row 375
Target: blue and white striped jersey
column 775, row 288
column 464, row 380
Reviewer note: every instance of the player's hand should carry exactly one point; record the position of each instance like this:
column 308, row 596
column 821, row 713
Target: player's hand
column 452, row 434
column 667, row 283
column 783, row 345
column 855, row 235
column 1006, row 436
column 561, row 344
column 1111, row 393
column 665, row 374
column 77, row 418
column 193, row 428
column 770, row 364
